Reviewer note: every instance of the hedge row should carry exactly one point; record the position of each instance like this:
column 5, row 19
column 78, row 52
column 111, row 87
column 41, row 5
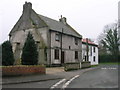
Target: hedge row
column 108, row 58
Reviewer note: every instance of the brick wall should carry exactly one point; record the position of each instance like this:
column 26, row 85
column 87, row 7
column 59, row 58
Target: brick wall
column 22, row 70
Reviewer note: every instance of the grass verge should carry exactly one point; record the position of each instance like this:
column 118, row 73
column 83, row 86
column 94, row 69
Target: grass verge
column 111, row 63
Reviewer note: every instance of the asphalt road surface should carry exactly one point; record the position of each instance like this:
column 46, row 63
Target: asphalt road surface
column 104, row 76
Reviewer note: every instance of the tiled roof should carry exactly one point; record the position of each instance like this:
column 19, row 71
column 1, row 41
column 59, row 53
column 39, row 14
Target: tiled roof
column 58, row 26
column 89, row 42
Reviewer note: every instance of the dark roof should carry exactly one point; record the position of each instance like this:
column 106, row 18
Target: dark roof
column 30, row 19
column 58, row 26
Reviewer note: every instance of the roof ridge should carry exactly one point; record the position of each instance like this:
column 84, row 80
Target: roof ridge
column 47, row 17
column 44, row 18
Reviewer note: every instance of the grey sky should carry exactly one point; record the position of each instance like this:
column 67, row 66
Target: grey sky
column 88, row 17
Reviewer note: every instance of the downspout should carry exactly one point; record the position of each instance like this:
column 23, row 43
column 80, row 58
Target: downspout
column 50, row 48
column 80, row 65
column 87, row 49
column 61, row 45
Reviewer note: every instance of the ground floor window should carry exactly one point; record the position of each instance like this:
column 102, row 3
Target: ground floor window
column 86, row 58
column 56, row 53
column 94, row 58
column 76, row 54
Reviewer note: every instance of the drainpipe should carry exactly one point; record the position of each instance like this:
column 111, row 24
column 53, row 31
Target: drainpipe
column 61, row 44
column 87, row 49
column 50, row 49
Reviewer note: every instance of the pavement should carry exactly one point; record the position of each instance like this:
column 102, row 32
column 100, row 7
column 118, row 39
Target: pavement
column 51, row 74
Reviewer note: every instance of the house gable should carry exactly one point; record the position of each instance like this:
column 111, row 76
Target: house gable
column 29, row 19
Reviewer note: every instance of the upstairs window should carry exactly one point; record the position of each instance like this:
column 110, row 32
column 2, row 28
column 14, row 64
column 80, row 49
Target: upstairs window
column 57, row 37
column 91, row 51
column 76, row 41
column 94, row 49
column 76, row 54
column 69, row 47
column 56, row 53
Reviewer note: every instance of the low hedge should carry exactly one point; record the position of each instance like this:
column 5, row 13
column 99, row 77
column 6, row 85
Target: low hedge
column 23, row 70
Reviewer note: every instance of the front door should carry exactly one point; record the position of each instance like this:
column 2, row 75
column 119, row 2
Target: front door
column 62, row 57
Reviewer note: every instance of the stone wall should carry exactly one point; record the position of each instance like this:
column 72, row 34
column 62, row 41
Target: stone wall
column 71, row 66
column 85, row 64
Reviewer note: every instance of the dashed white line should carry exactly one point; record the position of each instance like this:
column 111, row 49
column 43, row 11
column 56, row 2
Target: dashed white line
column 68, row 82
column 110, row 68
column 55, row 85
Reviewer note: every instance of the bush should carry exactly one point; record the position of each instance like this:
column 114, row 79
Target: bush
column 30, row 54
column 7, row 54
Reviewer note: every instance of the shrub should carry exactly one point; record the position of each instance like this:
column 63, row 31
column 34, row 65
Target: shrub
column 7, row 54
column 30, row 54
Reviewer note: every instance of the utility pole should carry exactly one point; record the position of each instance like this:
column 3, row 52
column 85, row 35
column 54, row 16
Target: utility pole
column 61, row 45
column 87, row 50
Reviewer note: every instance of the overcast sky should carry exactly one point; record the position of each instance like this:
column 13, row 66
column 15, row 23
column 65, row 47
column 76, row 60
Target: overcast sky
column 88, row 17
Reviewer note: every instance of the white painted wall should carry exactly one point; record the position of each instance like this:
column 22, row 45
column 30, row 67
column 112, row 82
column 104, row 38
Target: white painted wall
column 91, row 57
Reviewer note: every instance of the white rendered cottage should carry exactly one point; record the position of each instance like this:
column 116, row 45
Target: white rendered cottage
column 92, row 52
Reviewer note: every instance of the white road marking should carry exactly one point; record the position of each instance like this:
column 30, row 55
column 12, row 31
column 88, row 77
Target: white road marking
column 110, row 68
column 68, row 82
column 55, row 85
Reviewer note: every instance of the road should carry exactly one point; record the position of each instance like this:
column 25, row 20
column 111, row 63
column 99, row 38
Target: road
column 104, row 76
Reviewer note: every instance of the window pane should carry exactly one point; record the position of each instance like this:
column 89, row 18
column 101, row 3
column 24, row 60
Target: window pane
column 85, row 58
column 76, row 54
column 91, row 50
column 56, row 53
column 76, row 41
column 57, row 37
column 94, row 49
column 94, row 58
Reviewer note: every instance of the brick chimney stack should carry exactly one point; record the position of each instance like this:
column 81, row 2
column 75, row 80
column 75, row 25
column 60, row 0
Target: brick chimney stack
column 27, row 8
column 63, row 20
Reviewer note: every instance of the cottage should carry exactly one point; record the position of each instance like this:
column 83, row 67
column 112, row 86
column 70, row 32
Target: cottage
column 92, row 51
column 57, row 41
